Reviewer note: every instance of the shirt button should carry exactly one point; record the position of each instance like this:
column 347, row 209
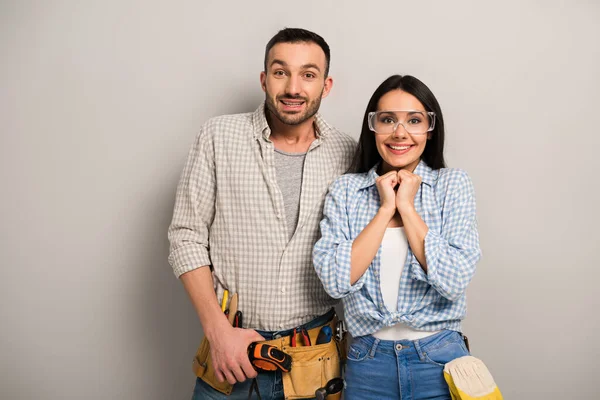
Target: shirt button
column 279, row 216
column 282, row 290
column 376, row 273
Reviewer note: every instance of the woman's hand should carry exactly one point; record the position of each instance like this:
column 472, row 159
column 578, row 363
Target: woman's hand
column 385, row 186
column 407, row 190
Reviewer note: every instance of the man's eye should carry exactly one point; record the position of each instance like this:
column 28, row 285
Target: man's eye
column 310, row 75
column 279, row 73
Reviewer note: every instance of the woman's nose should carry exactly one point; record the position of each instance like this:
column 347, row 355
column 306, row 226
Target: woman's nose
column 400, row 131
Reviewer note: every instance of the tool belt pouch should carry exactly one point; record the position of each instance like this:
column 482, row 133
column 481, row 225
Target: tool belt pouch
column 202, row 364
column 203, row 368
column 312, row 367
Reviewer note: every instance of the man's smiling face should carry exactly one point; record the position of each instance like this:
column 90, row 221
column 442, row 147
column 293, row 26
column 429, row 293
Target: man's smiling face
column 295, row 81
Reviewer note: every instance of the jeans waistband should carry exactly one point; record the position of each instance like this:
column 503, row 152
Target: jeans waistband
column 319, row 321
column 389, row 346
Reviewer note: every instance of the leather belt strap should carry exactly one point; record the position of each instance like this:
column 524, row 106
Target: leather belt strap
column 285, row 341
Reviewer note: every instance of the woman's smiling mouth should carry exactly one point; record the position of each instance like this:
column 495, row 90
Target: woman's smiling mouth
column 399, row 149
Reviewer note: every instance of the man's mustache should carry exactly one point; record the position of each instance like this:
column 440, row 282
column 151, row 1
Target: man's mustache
column 292, row 98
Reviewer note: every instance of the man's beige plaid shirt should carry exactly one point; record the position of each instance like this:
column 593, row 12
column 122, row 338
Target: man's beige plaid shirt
column 229, row 213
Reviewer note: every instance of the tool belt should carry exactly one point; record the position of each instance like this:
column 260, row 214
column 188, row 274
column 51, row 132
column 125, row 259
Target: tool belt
column 312, row 366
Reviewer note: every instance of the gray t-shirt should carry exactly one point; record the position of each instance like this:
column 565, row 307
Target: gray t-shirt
column 289, row 167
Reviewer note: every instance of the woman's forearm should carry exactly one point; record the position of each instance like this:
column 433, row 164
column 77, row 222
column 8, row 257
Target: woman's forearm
column 366, row 245
column 416, row 230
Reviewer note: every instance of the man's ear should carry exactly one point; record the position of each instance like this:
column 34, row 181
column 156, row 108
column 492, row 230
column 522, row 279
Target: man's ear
column 263, row 81
column 327, row 87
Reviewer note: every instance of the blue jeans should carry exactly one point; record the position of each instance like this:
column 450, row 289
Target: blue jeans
column 405, row 369
column 270, row 383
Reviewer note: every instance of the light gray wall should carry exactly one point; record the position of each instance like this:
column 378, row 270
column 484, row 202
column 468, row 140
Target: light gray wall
column 100, row 101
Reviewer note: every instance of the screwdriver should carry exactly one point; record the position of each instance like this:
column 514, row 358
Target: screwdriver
column 224, row 301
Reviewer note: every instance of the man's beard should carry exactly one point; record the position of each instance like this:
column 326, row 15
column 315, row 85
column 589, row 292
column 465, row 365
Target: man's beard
column 293, row 119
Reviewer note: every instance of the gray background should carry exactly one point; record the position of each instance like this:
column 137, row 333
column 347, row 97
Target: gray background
column 100, row 101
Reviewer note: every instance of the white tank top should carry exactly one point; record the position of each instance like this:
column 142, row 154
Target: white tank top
column 394, row 248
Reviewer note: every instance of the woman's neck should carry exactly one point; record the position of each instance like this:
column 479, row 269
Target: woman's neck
column 384, row 168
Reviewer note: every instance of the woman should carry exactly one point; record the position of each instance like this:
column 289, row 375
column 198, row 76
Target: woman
column 399, row 245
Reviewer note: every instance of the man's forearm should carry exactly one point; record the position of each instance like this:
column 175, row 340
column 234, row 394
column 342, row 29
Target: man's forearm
column 199, row 285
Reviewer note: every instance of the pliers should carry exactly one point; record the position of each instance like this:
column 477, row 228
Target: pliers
column 237, row 319
column 305, row 337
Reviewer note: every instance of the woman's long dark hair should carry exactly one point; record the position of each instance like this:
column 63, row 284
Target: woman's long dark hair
column 366, row 155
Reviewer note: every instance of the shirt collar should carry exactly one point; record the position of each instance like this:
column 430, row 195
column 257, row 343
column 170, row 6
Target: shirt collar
column 261, row 126
column 428, row 175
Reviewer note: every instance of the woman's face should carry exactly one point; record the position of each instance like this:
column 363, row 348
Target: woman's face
column 400, row 150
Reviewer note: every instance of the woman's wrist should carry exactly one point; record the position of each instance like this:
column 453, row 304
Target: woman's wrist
column 406, row 207
column 387, row 213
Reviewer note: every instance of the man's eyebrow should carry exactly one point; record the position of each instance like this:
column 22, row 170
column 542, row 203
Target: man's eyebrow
column 276, row 61
column 311, row 65
column 305, row 66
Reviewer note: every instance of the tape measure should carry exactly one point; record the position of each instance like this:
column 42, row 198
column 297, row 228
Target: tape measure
column 269, row 358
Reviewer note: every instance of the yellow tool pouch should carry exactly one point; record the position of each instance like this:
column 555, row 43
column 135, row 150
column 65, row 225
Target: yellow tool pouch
column 203, row 368
column 202, row 364
column 312, row 366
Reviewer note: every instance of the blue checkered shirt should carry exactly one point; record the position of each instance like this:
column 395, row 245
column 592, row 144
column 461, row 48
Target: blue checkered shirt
column 427, row 301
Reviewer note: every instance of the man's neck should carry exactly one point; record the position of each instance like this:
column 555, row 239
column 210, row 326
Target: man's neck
column 291, row 138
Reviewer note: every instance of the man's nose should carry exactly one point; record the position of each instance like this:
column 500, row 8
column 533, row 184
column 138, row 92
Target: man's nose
column 293, row 86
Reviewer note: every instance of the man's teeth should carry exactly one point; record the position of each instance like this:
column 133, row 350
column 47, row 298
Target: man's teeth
column 291, row 104
column 399, row 147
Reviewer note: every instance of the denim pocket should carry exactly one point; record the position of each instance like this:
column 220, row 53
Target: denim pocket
column 358, row 350
column 442, row 352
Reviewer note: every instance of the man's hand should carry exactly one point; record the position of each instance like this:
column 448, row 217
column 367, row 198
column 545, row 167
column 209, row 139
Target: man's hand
column 228, row 345
column 407, row 190
column 229, row 353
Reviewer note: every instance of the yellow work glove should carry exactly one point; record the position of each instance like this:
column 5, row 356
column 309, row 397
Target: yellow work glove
column 469, row 379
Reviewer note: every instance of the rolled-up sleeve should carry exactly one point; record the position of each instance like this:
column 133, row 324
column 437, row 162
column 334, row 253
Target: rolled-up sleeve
column 332, row 252
column 452, row 255
column 194, row 208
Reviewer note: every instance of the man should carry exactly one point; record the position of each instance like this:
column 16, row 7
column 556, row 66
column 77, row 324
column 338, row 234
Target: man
column 249, row 204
